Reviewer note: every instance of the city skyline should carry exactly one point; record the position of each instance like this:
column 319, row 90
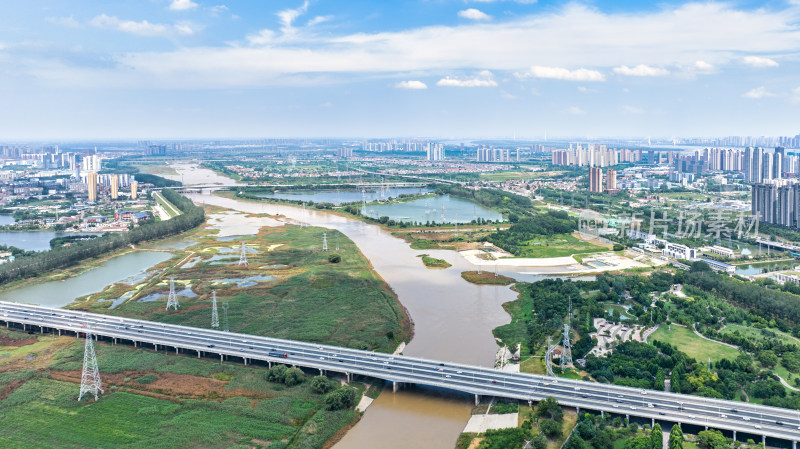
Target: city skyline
column 476, row 69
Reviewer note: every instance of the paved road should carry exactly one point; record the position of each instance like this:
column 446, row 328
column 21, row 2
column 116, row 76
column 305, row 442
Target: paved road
column 714, row 413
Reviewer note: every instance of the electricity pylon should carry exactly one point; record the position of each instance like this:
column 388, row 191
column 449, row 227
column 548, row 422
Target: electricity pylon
column 242, row 255
column 172, row 300
column 214, row 313
column 90, row 377
column 324, row 241
column 225, row 328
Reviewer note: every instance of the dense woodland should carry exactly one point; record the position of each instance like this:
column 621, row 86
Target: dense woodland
column 65, row 256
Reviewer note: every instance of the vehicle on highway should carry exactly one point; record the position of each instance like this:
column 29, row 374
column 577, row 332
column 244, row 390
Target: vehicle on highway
column 282, row 355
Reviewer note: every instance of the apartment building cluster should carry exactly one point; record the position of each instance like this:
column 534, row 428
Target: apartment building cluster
column 596, row 180
column 757, row 164
column 492, row 154
column 598, row 155
column 392, row 145
column 434, row 151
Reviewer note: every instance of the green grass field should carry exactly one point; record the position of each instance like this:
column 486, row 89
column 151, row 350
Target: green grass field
column 182, row 405
column 693, row 345
column 168, row 207
column 558, row 245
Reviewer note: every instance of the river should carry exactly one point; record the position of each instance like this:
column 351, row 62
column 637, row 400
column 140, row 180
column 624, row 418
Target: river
column 453, row 321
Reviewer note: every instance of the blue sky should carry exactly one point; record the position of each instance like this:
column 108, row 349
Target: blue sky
column 438, row 68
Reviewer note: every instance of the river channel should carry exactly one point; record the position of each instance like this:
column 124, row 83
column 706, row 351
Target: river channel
column 453, row 320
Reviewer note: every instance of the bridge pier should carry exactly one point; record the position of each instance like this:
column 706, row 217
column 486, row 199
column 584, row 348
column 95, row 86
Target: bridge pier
column 395, row 387
column 602, row 414
column 155, row 346
column 348, row 377
column 794, row 444
column 764, row 440
column 176, row 350
column 115, row 340
column 706, row 427
column 269, row 364
column 220, row 357
column 321, row 372
column 198, row 354
column 652, row 422
column 134, row 343
column 59, row 332
column 245, row 359
column 477, row 400
column 734, row 435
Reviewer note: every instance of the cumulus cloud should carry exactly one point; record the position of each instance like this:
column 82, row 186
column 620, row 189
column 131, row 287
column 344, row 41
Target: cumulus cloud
column 640, row 70
column 758, row 61
column 574, row 110
column 411, row 85
column 757, row 93
column 484, row 78
column 560, row 73
column 632, row 109
column 474, row 14
column 217, row 9
column 182, row 5
column 143, row 28
column 69, row 22
column 704, row 66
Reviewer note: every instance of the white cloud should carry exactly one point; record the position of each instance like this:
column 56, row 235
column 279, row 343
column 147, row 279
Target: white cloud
column 327, row 104
column 507, row 95
column 217, row 9
column 474, row 14
column 632, row 109
column 560, row 73
column 524, row 2
column 182, row 5
column 758, row 61
column 143, row 28
column 411, row 85
column 484, row 78
column 796, row 92
column 640, row 70
column 703, row 66
column 758, row 92
column 318, row 19
column 571, row 36
column 263, row 37
column 69, row 22
column 288, row 16
column 574, row 110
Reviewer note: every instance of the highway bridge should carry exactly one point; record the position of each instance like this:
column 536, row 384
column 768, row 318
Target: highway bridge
column 748, row 420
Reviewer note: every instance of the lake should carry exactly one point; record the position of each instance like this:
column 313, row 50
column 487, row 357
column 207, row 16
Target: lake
column 31, row 240
column 339, row 197
column 758, row 267
column 433, row 209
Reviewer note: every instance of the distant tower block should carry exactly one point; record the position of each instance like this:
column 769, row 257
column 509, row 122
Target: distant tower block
column 242, row 255
column 214, row 313
column 172, row 300
column 324, row 241
column 90, row 377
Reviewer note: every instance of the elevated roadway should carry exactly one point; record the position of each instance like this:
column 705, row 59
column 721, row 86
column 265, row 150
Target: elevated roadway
column 750, row 419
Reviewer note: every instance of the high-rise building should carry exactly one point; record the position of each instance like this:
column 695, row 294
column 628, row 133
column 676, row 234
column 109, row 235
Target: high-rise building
column 611, row 180
column 134, row 188
column 91, row 185
column 595, row 179
column 114, row 187
column 434, row 151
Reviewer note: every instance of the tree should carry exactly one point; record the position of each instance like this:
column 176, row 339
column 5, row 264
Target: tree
column 341, row 398
column 603, row 440
column 659, row 382
column 657, row 437
column 576, row 442
column 334, row 258
column 539, row 442
column 550, row 409
column 712, row 439
column 277, row 374
column 293, row 376
column 550, row 428
column 321, row 385
column 676, row 437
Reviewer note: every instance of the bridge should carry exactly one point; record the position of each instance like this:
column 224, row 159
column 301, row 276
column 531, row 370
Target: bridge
column 744, row 418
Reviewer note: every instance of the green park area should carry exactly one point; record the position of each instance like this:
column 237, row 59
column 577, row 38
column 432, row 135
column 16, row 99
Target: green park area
column 557, row 245
column 432, row 262
column 693, row 345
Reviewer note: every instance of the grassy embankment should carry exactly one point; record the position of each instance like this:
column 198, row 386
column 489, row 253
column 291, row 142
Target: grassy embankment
column 432, row 262
column 151, row 400
column 168, row 207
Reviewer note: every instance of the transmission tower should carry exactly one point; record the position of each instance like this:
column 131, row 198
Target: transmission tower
column 214, row 313
column 337, row 243
column 443, row 211
column 456, row 222
column 172, row 300
column 566, row 352
column 303, row 221
column 324, row 241
column 90, row 377
column 225, row 327
column 242, row 255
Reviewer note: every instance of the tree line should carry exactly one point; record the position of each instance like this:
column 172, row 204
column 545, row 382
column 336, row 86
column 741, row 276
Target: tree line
column 65, row 256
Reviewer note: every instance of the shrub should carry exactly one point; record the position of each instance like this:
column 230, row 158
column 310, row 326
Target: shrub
column 147, row 379
column 277, row 374
column 550, row 428
column 334, row 258
column 321, row 385
column 293, row 376
column 341, row 398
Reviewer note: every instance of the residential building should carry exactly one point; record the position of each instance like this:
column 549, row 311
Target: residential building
column 91, row 185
